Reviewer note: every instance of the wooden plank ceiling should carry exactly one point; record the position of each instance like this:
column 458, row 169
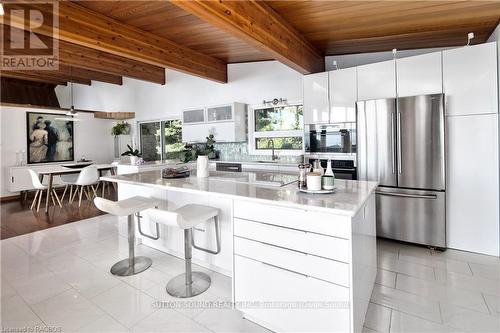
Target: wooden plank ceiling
column 139, row 39
column 333, row 27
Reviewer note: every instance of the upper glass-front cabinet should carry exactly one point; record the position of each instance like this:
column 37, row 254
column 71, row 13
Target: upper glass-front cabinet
column 193, row 116
column 220, row 113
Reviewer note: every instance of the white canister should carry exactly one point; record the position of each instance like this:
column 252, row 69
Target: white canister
column 314, row 181
column 133, row 160
column 202, row 166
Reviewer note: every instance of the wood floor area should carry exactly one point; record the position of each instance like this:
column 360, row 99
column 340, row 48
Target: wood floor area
column 18, row 219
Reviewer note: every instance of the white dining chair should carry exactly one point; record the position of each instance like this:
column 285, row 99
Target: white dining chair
column 69, row 180
column 39, row 187
column 86, row 181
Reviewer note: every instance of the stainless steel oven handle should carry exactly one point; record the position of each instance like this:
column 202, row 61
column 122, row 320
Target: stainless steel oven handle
column 400, row 158
column 418, row 196
column 392, row 144
column 344, row 169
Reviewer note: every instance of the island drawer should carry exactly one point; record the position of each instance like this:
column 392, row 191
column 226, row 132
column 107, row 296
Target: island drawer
column 322, row 223
column 304, row 241
column 298, row 262
column 285, row 302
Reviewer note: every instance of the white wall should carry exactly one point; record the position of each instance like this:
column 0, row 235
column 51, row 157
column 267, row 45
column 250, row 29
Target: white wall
column 248, row 83
column 92, row 139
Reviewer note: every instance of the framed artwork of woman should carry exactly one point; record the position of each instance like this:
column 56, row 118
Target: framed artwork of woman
column 49, row 139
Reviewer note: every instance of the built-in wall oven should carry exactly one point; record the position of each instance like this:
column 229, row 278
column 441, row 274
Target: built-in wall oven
column 338, row 138
column 342, row 168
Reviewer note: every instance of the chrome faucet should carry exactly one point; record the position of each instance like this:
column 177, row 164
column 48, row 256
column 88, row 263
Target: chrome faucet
column 274, row 157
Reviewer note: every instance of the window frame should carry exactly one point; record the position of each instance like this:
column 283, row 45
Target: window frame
column 162, row 131
column 252, row 134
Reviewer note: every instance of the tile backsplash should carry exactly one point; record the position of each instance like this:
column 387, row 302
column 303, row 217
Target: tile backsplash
column 238, row 151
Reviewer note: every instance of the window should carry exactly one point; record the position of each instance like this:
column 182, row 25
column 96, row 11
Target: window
column 280, row 126
column 161, row 139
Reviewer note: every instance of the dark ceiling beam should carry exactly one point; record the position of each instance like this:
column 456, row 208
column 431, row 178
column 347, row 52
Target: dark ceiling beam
column 97, row 61
column 257, row 23
column 83, row 27
column 44, row 76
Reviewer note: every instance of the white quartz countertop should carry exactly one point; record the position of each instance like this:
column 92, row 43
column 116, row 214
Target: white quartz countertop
column 347, row 200
column 263, row 162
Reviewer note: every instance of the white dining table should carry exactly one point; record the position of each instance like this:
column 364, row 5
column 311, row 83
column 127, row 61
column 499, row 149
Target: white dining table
column 67, row 171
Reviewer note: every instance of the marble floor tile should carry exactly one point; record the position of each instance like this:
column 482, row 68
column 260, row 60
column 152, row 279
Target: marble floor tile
column 190, row 307
column 89, row 281
column 41, row 288
column 473, row 283
column 467, row 320
column 440, row 292
column 69, row 310
column 16, row 313
column 103, row 324
column 168, row 320
column 405, row 323
column 6, row 289
column 468, row 257
column 126, row 304
column 493, row 303
column 449, row 265
column 386, row 278
column 227, row 321
column 486, row 271
column 411, row 269
column 147, row 279
column 406, row 302
column 378, row 318
column 368, row 330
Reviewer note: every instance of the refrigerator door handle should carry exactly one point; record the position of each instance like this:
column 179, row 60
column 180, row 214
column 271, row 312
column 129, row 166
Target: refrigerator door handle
column 400, row 158
column 392, row 144
column 418, row 196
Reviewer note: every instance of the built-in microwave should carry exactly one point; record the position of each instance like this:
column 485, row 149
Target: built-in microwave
column 338, row 138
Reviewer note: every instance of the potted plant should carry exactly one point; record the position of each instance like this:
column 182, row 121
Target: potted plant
column 134, row 155
column 192, row 151
column 121, row 128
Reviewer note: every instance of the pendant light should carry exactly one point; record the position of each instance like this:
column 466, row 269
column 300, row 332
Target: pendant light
column 72, row 114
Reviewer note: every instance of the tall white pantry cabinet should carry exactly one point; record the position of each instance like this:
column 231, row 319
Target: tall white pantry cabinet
column 470, row 85
column 468, row 77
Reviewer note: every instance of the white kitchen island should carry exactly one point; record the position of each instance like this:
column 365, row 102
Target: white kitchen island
column 299, row 262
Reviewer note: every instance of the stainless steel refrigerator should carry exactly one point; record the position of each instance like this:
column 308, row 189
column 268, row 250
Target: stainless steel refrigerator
column 401, row 144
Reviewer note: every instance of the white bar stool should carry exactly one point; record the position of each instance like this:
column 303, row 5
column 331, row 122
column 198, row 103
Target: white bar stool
column 191, row 283
column 128, row 207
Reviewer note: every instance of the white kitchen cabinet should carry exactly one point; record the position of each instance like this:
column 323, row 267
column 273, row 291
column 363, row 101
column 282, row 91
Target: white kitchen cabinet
column 377, row 80
column 343, row 95
column 193, row 116
column 420, row 75
column 316, row 100
column 472, row 193
column 226, row 122
column 20, row 179
column 258, row 284
column 220, row 113
column 293, row 256
column 470, row 79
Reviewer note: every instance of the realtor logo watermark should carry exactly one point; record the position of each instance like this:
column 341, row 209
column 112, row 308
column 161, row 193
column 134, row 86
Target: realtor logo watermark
column 24, row 47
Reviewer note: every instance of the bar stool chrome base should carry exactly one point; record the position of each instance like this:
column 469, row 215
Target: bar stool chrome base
column 177, row 286
column 123, row 267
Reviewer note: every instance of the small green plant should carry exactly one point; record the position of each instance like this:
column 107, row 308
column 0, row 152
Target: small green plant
column 131, row 152
column 120, row 128
column 192, row 151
